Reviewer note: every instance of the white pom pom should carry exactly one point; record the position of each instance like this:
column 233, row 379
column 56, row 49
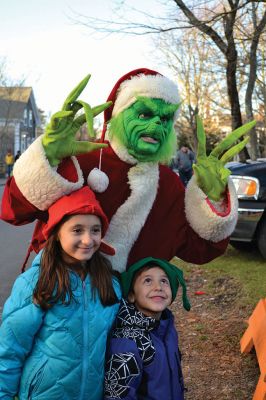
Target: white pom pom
column 97, row 180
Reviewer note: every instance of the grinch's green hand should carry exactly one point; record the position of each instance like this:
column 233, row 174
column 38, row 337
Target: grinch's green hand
column 59, row 137
column 212, row 176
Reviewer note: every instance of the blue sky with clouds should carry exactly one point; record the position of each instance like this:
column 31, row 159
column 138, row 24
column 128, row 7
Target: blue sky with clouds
column 41, row 43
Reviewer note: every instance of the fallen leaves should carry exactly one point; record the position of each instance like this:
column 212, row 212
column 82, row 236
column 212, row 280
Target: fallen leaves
column 209, row 335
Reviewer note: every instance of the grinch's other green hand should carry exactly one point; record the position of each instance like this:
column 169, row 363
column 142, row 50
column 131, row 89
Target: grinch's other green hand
column 59, row 137
column 210, row 171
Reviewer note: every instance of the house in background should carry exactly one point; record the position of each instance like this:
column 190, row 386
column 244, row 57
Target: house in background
column 19, row 119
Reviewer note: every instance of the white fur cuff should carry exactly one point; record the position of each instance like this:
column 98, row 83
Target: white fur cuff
column 207, row 222
column 39, row 183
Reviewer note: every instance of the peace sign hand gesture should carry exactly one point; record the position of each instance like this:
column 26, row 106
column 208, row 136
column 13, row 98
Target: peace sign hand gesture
column 210, row 171
column 59, row 137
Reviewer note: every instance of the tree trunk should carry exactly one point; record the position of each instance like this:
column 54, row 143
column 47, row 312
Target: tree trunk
column 229, row 51
column 232, row 91
column 254, row 150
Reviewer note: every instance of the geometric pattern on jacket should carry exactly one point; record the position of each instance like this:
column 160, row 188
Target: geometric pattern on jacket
column 131, row 324
column 122, row 368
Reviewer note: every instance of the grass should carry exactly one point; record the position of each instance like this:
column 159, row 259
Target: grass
column 247, row 268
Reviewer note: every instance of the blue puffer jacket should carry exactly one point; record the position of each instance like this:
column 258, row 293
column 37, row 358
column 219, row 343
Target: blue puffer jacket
column 58, row 354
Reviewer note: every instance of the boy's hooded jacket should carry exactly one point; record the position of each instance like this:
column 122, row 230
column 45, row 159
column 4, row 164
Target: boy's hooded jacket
column 62, row 350
column 143, row 360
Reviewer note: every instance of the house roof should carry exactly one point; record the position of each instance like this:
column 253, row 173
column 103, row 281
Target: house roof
column 13, row 101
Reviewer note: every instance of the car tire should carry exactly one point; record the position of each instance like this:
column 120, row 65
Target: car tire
column 261, row 238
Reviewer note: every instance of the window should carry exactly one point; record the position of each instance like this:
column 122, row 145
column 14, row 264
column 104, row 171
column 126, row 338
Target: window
column 25, row 116
column 30, row 118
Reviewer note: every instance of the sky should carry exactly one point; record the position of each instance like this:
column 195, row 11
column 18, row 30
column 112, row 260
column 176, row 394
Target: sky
column 41, row 43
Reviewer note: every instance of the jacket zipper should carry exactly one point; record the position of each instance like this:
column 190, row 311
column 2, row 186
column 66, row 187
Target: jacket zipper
column 85, row 327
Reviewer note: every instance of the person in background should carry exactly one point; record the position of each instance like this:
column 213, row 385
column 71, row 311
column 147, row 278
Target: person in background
column 17, row 155
column 9, row 160
column 57, row 318
column 183, row 162
column 143, row 358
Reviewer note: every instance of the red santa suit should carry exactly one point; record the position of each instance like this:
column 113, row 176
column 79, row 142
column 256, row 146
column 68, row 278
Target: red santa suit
column 150, row 212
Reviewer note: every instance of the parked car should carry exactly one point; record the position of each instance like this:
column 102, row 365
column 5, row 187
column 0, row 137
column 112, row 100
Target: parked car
column 250, row 182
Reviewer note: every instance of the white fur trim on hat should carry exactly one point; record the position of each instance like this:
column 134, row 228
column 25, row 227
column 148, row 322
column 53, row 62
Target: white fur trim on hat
column 154, row 86
column 39, row 183
column 202, row 218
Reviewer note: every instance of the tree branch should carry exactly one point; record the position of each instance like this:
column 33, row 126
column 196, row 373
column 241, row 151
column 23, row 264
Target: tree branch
column 202, row 26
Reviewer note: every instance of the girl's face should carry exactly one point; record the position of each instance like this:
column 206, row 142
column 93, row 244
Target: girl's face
column 151, row 292
column 80, row 236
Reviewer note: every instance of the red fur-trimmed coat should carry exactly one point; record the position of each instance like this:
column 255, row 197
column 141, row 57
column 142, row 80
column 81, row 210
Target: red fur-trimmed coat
column 150, row 212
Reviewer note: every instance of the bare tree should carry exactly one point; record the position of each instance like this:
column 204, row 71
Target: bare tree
column 229, row 15
column 218, row 22
column 194, row 63
column 260, row 100
column 257, row 31
column 7, row 88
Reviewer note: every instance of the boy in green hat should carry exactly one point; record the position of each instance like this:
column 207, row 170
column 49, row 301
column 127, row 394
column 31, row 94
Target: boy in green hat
column 143, row 359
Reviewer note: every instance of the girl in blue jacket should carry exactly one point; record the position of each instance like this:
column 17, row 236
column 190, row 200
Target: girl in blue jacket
column 56, row 320
column 143, row 359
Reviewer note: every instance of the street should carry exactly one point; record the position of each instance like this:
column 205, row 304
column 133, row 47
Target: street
column 14, row 242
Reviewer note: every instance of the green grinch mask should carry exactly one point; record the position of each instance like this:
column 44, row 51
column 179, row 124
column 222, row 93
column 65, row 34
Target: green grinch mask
column 146, row 129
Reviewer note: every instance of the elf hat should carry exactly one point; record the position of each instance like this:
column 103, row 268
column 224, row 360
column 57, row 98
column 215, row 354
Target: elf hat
column 174, row 274
column 139, row 82
column 81, row 201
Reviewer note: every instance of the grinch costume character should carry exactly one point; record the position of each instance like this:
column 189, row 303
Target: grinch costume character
column 150, row 212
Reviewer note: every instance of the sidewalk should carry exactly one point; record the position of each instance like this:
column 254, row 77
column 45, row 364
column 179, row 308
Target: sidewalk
column 2, row 181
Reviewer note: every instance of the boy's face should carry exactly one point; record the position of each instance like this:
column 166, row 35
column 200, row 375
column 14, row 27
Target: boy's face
column 151, row 292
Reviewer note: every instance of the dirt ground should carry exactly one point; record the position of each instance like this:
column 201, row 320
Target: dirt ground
column 209, row 340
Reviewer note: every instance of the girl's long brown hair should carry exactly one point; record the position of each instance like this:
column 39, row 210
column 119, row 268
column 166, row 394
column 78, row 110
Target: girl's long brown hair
column 54, row 286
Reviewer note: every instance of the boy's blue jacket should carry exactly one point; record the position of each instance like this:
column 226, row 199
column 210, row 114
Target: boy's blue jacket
column 54, row 354
column 143, row 359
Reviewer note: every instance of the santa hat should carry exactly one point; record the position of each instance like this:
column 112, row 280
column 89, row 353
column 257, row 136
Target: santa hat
column 139, row 82
column 81, row 201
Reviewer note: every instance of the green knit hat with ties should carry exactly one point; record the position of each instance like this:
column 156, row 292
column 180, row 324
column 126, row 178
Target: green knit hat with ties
column 174, row 274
